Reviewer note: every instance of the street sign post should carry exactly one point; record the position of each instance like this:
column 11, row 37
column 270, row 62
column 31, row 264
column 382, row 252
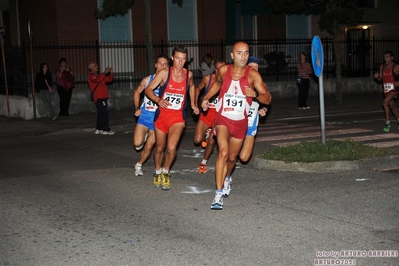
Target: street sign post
column 318, row 63
column 2, row 33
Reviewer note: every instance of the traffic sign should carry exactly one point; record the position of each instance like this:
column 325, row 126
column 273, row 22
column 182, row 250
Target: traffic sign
column 317, row 56
column 2, row 30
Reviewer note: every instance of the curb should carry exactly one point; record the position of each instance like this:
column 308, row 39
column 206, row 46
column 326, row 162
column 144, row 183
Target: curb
column 378, row 163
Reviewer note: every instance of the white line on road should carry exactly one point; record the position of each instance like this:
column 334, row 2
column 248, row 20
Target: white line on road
column 384, row 144
column 293, row 128
column 194, row 190
column 314, row 116
column 373, row 137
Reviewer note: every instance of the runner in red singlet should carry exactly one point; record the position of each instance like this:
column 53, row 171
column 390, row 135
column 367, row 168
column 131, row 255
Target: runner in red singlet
column 203, row 130
column 170, row 117
column 236, row 84
column 389, row 75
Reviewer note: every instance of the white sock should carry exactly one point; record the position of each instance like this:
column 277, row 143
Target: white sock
column 204, row 161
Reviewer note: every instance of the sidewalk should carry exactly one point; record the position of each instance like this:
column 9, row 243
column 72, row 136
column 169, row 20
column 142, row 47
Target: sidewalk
column 125, row 120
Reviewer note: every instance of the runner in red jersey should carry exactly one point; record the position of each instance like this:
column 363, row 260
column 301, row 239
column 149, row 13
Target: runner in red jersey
column 203, row 130
column 236, row 84
column 389, row 75
column 170, row 116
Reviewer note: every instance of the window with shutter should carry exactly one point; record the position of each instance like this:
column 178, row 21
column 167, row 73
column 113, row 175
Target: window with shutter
column 182, row 21
column 298, row 26
column 115, row 29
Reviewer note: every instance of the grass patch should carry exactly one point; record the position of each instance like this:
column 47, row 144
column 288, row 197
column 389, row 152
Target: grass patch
column 332, row 150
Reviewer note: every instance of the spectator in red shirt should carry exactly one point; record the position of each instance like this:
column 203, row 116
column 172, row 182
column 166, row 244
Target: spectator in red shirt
column 98, row 86
column 65, row 84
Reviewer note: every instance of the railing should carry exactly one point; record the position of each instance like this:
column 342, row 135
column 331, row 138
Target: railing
column 278, row 59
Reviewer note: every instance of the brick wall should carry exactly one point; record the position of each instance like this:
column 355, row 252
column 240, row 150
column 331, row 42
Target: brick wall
column 211, row 18
column 43, row 20
column 75, row 20
column 158, row 20
column 271, row 27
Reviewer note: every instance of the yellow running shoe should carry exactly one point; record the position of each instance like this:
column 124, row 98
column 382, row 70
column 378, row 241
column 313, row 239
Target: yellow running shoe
column 165, row 181
column 157, row 180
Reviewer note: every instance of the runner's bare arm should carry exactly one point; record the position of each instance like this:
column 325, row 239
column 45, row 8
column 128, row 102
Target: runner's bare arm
column 378, row 75
column 264, row 95
column 396, row 69
column 159, row 79
column 200, row 86
column 136, row 96
column 192, row 93
column 215, row 87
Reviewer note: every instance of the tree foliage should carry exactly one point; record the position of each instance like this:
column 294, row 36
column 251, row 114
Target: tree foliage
column 113, row 8
column 339, row 13
column 334, row 14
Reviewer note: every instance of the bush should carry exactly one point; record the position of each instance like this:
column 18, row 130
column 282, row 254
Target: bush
column 332, row 150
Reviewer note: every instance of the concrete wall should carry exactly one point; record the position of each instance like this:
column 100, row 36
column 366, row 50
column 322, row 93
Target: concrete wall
column 350, row 86
column 22, row 107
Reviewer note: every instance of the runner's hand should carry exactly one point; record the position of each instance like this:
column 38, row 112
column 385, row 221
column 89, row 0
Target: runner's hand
column 262, row 111
column 204, row 105
column 195, row 109
column 137, row 112
column 163, row 103
column 249, row 92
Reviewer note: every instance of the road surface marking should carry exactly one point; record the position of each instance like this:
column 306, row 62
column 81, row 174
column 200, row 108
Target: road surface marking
column 384, row 144
column 328, row 115
column 373, row 137
column 194, row 190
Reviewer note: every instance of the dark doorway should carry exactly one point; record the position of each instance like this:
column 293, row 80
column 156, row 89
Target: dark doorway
column 358, row 50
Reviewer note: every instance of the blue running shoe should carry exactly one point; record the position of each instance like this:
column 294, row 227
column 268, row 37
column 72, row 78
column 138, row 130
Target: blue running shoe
column 217, row 203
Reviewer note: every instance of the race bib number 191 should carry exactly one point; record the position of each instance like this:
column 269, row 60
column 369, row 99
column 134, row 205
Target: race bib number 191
column 233, row 105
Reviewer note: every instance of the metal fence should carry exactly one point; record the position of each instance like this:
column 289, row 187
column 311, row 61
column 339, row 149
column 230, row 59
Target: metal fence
column 278, row 58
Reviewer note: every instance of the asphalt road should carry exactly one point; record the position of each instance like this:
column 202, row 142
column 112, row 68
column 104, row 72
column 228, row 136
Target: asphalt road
column 73, row 199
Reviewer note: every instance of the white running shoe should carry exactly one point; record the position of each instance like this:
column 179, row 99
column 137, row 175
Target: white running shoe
column 227, row 186
column 137, row 170
column 217, row 203
column 97, row 132
column 108, row 132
